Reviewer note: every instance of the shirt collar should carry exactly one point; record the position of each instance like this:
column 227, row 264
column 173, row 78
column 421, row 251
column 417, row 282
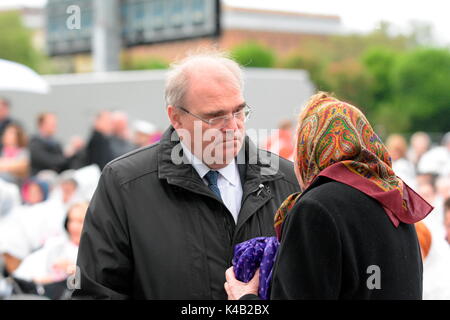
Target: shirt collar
column 230, row 172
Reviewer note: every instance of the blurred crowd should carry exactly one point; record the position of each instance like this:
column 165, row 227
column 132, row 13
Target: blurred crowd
column 426, row 168
column 45, row 190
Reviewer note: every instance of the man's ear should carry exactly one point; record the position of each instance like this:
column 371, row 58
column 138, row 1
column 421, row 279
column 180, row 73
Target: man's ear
column 174, row 117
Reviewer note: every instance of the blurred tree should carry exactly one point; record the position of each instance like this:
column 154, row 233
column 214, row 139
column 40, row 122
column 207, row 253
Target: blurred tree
column 379, row 63
column 399, row 86
column 349, row 81
column 252, row 54
column 341, row 65
column 16, row 42
column 308, row 61
column 421, row 89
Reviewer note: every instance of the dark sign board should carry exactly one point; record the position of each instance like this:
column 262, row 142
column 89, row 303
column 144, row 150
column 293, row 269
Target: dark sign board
column 70, row 23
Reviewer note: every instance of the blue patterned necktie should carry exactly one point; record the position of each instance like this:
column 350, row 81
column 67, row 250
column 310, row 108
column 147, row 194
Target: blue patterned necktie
column 212, row 177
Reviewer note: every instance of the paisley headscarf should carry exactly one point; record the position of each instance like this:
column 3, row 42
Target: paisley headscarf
column 335, row 140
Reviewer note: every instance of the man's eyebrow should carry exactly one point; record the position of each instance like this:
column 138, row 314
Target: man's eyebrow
column 240, row 107
column 216, row 113
column 219, row 113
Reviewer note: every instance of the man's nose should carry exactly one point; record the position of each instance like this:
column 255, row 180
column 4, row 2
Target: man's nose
column 232, row 124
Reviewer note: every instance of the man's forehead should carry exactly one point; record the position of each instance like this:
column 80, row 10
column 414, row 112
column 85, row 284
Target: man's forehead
column 212, row 80
column 211, row 95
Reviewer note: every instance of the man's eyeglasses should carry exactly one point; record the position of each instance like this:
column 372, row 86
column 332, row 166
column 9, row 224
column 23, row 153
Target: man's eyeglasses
column 220, row 122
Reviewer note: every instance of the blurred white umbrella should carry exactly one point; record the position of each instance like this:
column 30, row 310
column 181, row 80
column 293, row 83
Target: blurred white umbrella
column 17, row 77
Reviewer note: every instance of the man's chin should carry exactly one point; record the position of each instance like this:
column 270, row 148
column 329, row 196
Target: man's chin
column 231, row 147
column 228, row 151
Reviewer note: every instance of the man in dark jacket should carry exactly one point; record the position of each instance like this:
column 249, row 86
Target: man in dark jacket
column 120, row 139
column 45, row 151
column 164, row 220
column 98, row 149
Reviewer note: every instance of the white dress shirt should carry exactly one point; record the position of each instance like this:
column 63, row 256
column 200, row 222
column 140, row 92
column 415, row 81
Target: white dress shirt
column 228, row 181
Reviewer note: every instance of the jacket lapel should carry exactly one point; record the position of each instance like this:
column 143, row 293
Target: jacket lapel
column 256, row 170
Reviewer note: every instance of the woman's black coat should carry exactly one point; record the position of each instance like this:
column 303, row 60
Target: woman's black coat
column 337, row 243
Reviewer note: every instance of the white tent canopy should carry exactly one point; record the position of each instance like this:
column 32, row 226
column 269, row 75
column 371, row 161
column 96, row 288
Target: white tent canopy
column 17, row 77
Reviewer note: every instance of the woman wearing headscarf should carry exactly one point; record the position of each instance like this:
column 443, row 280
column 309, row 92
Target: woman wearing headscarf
column 350, row 234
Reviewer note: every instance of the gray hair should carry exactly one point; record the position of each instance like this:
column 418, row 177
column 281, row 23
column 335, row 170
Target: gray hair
column 177, row 78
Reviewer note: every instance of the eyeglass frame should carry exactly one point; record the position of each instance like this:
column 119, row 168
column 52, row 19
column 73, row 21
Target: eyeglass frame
column 208, row 121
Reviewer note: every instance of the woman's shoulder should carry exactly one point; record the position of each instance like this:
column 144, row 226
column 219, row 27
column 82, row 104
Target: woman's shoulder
column 340, row 200
column 325, row 190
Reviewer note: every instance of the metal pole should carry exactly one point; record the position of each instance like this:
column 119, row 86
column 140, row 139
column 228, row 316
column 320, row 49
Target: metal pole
column 106, row 42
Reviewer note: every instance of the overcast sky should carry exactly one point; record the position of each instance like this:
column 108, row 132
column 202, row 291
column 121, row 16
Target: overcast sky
column 358, row 15
column 363, row 15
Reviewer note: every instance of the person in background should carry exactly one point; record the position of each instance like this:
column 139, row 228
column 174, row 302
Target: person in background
column 120, row 139
column 447, row 219
column 14, row 156
column 397, row 147
column 420, row 143
column 436, row 265
column 156, row 136
column 5, row 118
column 57, row 258
column 143, row 132
column 425, row 178
column 437, row 160
column 434, row 221
column 282, row 143
column 34, row 191
column 76, row 152
column 68, row 186
column 28, row 227
column 428, row 192
column 443, row 186
column 9, row 198
column 46, row 152
column 99, row 150
column 49, row 267
column 424, row 237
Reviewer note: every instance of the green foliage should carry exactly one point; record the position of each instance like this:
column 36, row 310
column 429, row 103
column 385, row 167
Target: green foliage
column 379, row 63
column 309, row 62
column 390, row 118
column 252, row 54
column 145, row 64
column 16, row 42
column 421, row 84
column 349, row 81
column 399, row 85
